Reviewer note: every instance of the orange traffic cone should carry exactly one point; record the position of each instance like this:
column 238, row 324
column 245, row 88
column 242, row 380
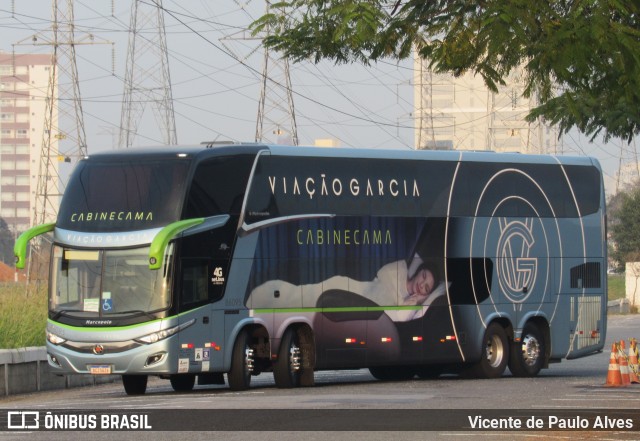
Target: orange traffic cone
column 633, row 361
column 614, row 378
column 624, row 365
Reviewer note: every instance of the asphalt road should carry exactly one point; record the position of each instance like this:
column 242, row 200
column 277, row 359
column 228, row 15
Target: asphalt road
column 354, row 402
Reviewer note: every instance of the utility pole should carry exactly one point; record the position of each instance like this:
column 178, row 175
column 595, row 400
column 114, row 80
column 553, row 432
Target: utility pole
column 147, row 79
column 64, row 138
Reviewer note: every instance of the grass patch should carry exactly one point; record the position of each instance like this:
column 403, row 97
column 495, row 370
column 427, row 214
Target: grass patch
column 616, row 286
column 23, row 315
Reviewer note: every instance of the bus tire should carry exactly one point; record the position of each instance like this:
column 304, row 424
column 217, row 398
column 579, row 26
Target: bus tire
column 527, row 355
column 182, row 382
column 239, row 375
column 495, row 353
column 135, row 384
column 287, row 369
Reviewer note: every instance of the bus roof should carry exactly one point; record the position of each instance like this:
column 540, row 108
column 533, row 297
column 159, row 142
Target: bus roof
column 202, row 152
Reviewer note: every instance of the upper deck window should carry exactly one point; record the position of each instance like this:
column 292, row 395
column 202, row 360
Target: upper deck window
column 218, row 186
column 124, row 195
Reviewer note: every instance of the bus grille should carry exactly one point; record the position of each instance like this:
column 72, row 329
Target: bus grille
column 589, row 311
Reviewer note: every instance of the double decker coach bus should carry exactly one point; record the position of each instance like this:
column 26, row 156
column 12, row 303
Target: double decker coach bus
column 188, row 263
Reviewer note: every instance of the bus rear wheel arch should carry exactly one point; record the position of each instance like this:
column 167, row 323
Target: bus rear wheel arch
column 528, row 356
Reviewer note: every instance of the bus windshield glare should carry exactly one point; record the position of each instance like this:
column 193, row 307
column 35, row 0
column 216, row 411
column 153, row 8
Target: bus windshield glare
column 97, row 283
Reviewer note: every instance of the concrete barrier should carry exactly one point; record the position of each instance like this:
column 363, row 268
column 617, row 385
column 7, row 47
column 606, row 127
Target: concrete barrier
column 26, row 370
column 619, row 306
column 632, row 283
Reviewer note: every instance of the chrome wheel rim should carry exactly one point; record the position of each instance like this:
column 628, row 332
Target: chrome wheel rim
column 530, row 350
column 494, row 351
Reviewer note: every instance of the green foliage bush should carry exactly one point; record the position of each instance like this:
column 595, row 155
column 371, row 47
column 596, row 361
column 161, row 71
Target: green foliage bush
column 23, row 315
column 616, row 286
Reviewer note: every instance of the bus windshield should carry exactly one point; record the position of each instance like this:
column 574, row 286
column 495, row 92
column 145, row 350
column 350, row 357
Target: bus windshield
column 98, row 283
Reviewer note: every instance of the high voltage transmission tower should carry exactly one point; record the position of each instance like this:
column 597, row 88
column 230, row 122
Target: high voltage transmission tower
column 276, row 120
column 64, row 138
column 147, row 79
column 276, row 114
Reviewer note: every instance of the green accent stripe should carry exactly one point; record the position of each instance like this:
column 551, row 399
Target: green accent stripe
column 345, row 309
column 20, row 247
column 160, row 242
column 116, row 328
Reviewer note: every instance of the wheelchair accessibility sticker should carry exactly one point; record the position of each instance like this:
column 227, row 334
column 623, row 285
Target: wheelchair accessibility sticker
column 107, row 302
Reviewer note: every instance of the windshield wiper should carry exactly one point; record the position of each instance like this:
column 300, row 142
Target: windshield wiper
column 64, row 312
column 133, row 311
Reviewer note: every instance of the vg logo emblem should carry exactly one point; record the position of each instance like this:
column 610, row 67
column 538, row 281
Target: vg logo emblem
column 516, row 268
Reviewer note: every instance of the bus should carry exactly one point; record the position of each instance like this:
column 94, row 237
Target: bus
column 195, row 262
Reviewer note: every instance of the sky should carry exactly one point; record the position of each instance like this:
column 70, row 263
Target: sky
column 216, row 80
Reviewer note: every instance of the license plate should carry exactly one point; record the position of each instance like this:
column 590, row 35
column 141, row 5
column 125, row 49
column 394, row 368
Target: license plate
column 100, row 369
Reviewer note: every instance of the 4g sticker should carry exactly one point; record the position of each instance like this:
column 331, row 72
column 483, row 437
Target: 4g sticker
column 218, row 276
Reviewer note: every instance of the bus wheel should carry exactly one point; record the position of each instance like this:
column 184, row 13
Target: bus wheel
column 527, row 356
column 287, row 369
column 495, row 353
column 241, row 363
column 134, row 384
column 182, row 382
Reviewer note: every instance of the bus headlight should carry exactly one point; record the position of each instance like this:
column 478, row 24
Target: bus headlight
column 165, row 333
column 54, row 339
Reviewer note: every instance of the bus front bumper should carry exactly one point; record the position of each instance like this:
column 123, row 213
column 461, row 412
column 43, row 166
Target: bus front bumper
column 100, row 360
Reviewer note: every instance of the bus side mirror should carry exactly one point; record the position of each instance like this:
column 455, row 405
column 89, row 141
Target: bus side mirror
column 20, row 247
column 160, row 242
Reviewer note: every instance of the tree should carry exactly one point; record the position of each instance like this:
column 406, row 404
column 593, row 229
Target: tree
column 6, row 244
column 580, row 57
column 624, row 225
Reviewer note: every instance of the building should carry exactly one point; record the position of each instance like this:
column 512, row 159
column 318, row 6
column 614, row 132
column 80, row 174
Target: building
column 24, row 80
column 326, row 142
column 628, row 175
column 463, row 114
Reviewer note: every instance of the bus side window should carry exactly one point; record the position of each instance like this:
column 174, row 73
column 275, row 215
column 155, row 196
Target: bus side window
column 195, row 290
